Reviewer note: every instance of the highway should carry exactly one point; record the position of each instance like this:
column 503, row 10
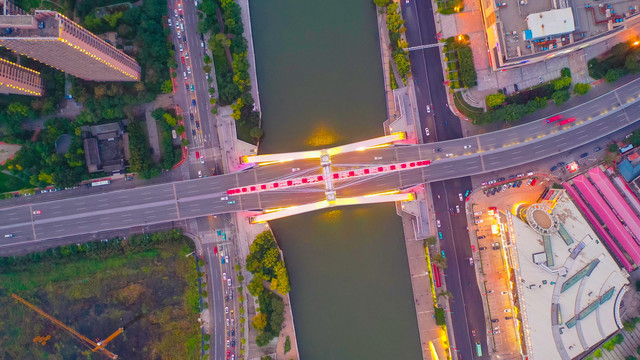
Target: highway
column 199, row 197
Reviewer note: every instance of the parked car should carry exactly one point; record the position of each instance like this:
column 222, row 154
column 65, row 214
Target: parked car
column 584, row 155
column 598, row 148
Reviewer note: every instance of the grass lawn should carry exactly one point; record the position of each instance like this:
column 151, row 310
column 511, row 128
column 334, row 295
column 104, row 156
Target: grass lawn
column 11, row 183
column 95, row 289
column 469, row 111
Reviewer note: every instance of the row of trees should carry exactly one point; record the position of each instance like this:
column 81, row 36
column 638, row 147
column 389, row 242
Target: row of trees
column 99, row 249
column 265, row 263
column 622, row 59
column 458, row 54
column 229, row 50
column 395, row 25
column 41, row 165
column 140, row 161
column 171, row 153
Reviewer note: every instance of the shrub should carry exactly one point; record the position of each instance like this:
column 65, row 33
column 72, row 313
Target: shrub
column 560, row 97
column 287, row 345
column 609, row 345
column 494, row 100
column 565, row 72
column 562, row 83
column 439, row 314
column 613, row 75
column 468, row 75
column 581, row 88
column 598, row 353
column 618, row 339
column 612, row 148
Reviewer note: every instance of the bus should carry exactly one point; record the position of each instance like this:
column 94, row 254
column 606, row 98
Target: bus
column 100, row 183
column 478, row 348
column 566, row 121
column 554, row 118
column 624, row 149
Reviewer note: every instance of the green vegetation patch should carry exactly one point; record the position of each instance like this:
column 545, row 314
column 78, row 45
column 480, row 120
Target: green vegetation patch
column 11, row 183
column 439, row 314
column 96, row 288
column 171, row 153
column 469, row 111
column 623, row 58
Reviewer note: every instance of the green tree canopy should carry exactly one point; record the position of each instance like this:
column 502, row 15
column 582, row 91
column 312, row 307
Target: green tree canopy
column 494, row 100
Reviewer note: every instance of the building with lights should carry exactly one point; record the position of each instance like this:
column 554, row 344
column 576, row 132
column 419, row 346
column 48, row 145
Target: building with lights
column 16, row 79
column 53, row 39
column 566, row 285
column 524, row 32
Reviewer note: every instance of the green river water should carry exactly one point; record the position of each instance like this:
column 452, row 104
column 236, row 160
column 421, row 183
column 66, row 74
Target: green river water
column 320, row 81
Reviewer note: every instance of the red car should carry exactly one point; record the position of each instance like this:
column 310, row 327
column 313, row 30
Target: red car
column 182, row 59
column 197, row 155
column 551, row 119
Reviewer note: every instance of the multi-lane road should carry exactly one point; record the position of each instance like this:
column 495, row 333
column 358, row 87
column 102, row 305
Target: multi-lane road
column 199, row 197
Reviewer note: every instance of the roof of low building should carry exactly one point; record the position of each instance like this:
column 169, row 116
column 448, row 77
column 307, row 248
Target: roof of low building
column 549, row 23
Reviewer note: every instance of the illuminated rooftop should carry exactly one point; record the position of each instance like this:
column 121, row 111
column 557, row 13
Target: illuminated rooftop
column 568, row 285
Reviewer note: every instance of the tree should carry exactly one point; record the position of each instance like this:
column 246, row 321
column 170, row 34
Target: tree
column 256, row 133
column 439, row 260
column 565, row 72
column 287, row 345
column 263, row 339
column 598, row 353
column 562, row 83
column 206, row 69
column 180, row 129
column 560, row 97
column 494, row 100
column 631, row 64
column 620, row 49
column 259, row 321
column 381, row 3
column 170, row 119
column 255, row 286
column 167, row 86
column 581, row 88
column 237, row 109
column 613, row 148
column 613, row 75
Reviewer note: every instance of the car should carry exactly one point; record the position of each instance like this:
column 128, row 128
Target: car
column 502, row 179
column 481, row 237
column 223, row 198
column 184, row 38
column 561, row 164
column 467, row 147
column 192, row 88
column 477, row 213
column 598, row 148
column 197, row 154
column 460, row 197
column 193, row 132
column 222, row 260
column 490, row 182
column 495, row 246
column 457, row 209
column 484, row 183
column 495, row 190
column 179, row 34
column 199, row 173
column 489, row 291
column 182, row 26
column 203, row 44
column 180, row 7
column 519, row 183
column 504, row 187
column 169, row 22
column 193, row 102
column 529, row 181
column 224, row 276
column 186, row 54
column 471, row 261
column 233, row 332
column 198, row 125
column 494, row 320
column 186, row 86
column 511, row 177
column 227, row 258
column 473, row 333
column 426, row 131
column 231, row 202
column 496, row 332
column 442, row 253
column 229, row 282
column 584, row 155
column 438, row 223
column 509, row 185
column 226, row 309
column 219, row 232
column 227, row 324
column 180, row 47
column 482, row 248
column 189, row 70
column 182, row 59
column 467, row 192
column 9, row 235
column 508, row 317
column 438, row 150
column 202, row 160
column 232, row 320
column 428, row 108
column 553, row 168
column 440, row 234
column 233, row 343
column 185, row 74
column 515, row 87
column 478, row 221
column 449, row 155
column 507, row 310
column 504, row 293
column 37, row 212
column 175, row 12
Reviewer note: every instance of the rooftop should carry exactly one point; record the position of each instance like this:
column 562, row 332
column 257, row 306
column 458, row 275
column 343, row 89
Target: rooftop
column 575, row 278
column 549, row 23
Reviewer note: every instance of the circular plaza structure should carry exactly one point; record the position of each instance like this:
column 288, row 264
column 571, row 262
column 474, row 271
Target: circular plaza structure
column 541, row 219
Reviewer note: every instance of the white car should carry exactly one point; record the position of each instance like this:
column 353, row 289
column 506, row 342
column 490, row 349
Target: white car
column 224, row 198
column 295, row 169
column 467, row 147
column 449, row 155
column 199, row 173
column 226, row 259
column 169, row 22
column 181, row 48
column 438, row 222
column 428, row 108
column 186, row 54
column 426, row 131
column 189, row 69
column 226, row 309
column 229, row 282
column 507, row 310
column 458, row 209
column 478, row 221
column 460, row 197
column 224, row 276
column 377, row 158
column 179, row 34
column 202, row 160
column 504, row 292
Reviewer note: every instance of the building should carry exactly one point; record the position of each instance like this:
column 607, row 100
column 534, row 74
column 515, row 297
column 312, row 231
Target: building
column 106, row 147
column 16, row 79
column 519, row 32
column 53, row 39
column 567, row 287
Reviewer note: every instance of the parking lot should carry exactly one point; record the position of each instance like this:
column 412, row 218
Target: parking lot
column 485, row 231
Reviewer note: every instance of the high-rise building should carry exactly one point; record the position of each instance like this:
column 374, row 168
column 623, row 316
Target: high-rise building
column 16, row 79
column 55, row 40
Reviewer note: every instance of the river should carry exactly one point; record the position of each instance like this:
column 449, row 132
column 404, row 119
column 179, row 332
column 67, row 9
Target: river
column 320, row 80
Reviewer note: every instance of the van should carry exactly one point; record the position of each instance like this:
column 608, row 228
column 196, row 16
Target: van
column 9, row 235
column 185, row 75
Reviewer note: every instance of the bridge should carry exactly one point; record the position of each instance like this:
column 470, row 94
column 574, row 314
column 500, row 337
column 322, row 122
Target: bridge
column 182, row 200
